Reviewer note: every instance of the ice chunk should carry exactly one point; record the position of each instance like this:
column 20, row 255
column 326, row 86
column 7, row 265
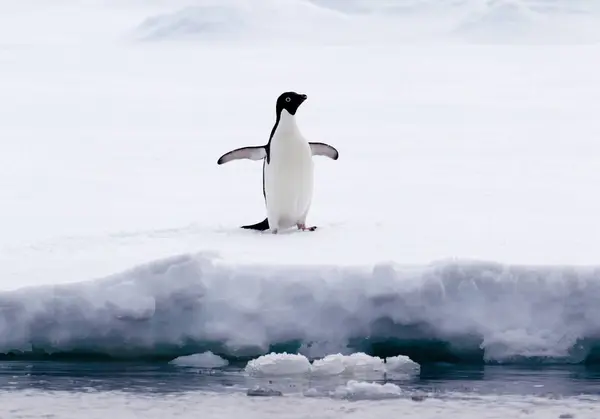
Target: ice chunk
column 278, row 365
column 202, row 360
column 357, row 363
column 401, row 365
column 360, row 390
column 263, row 392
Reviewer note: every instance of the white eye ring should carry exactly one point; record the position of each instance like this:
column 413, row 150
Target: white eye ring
column 287, row 99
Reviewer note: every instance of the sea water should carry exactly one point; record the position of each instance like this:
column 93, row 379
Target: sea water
column 163, row 390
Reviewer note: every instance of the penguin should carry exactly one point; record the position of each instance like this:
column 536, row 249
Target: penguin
column 288, row 171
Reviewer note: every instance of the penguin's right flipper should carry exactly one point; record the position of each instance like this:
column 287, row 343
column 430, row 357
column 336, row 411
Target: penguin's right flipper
column 251, row 153
column 322, row 149
column 262, row 226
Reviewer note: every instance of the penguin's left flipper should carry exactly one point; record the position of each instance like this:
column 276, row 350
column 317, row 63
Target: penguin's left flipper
column 250, row 153
column 322, row 149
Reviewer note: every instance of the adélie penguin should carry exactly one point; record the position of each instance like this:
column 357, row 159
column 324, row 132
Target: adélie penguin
column 288, row 171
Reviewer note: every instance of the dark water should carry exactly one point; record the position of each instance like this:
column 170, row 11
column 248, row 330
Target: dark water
column 100, row 390
column 552, row 381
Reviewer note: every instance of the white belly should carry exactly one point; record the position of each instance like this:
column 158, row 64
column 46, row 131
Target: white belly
column 288, row 183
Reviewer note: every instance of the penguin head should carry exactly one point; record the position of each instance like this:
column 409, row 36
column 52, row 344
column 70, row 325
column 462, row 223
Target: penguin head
column 290, row 101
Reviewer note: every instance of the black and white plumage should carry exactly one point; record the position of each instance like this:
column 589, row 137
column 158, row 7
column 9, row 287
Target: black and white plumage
column 287, row 168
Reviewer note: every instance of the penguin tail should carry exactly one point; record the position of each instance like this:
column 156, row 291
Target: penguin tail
column 261, row 226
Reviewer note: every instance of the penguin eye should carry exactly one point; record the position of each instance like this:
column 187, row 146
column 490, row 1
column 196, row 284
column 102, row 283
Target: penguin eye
column 287, row 99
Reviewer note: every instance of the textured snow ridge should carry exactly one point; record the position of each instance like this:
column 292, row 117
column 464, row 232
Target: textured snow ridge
column 356, row 364
column 241, row 19
column 195, row 303
column 380, row 21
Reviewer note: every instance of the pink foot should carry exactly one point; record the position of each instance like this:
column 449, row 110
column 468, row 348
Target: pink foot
column 304, row 228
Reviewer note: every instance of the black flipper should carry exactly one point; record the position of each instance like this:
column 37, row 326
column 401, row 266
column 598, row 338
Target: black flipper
column 250, row 153
column 322, row 149
column 262, row 226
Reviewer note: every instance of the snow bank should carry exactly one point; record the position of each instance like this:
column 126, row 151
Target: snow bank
column 203, row 360
column 380, row 21
column 195, row 303
column 356, row 364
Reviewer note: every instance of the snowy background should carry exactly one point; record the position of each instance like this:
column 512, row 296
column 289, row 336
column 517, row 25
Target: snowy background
column 468, row 135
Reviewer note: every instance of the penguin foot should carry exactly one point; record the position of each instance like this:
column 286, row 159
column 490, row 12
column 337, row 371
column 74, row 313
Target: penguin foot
column 304, row 228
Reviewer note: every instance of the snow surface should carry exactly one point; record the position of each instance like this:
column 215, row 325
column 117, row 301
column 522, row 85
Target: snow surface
column 467, row 133
column 359, row 364
column 126, row 405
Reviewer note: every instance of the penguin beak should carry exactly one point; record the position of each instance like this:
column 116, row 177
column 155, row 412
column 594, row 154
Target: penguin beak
column 303, row 97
